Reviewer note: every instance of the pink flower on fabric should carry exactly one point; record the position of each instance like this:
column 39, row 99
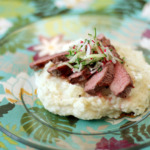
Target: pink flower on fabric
column 48, row 46
column 112, row 144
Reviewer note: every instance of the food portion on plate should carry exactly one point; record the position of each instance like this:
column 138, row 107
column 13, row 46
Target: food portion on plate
column 93, row 78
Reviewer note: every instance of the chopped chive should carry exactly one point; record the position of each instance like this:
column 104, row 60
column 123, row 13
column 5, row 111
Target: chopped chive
column 70, row 53
column 83, row 62
column 68, row 56
column 76, row 66
column 99, row 69
column 122, row 61
column 95, row 32
column 89, row 34
column 78, row 60
column 98, row 44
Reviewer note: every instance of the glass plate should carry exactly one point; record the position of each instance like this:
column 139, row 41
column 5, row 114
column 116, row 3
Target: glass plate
column 22, row 115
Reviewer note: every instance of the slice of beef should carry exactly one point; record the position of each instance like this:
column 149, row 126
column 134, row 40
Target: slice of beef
column 106, row 43
column 100, row 79
column 54, row 58
column 79, row 77
column 122, row 83
column 62, row 70
column 104, row 40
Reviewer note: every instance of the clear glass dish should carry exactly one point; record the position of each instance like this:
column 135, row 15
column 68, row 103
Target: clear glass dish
column 28, row 122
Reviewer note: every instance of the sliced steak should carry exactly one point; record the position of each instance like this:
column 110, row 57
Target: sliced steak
column 62, row 70
column 54, row 58
column 79, row 77
column 100, row 79
column 106, row 43
column 122, row 83
column 104, row 40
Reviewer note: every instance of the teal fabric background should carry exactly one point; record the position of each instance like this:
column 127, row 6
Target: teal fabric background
column 16, row 14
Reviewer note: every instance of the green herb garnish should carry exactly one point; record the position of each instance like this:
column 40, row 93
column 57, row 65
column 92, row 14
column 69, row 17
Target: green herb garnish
column 89, row 52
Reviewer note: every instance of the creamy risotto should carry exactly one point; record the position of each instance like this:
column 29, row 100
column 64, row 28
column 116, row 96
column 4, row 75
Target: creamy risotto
column 60, row 97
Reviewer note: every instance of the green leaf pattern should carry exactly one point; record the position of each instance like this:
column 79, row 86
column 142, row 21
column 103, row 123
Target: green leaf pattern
column 16, row 41
column 42, row 132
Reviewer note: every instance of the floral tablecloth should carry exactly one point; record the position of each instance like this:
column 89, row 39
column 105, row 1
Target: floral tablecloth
column 16, row 14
